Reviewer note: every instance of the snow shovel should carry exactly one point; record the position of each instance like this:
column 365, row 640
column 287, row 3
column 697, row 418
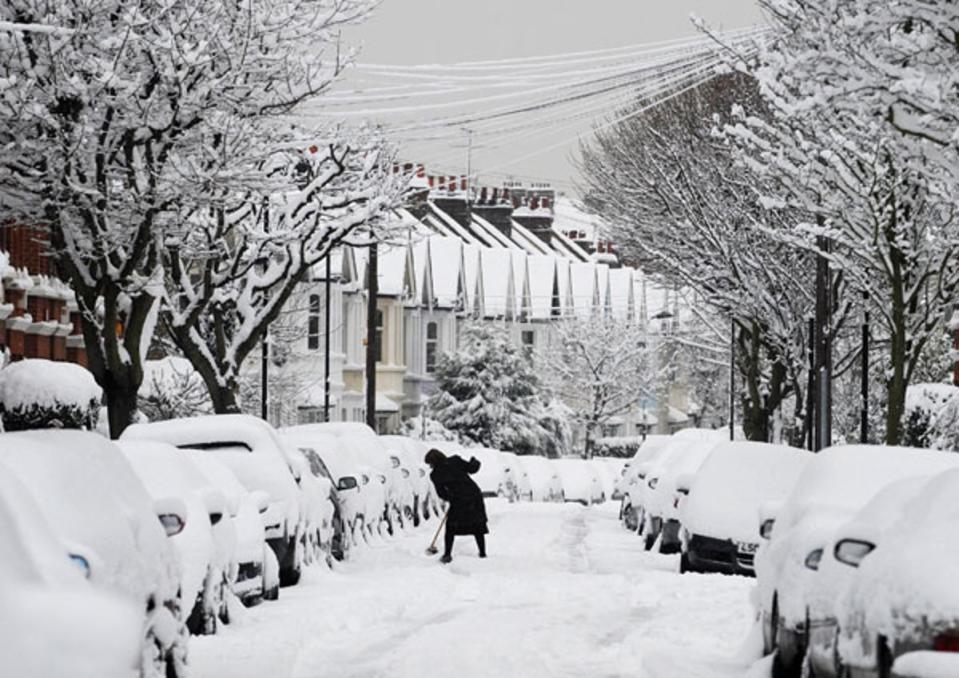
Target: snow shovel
column 432, row 550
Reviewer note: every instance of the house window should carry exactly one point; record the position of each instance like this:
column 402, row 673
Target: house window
column 309, row 415
column 378, row 337
column 313, row 324
column 528, row 338
column 432, row 342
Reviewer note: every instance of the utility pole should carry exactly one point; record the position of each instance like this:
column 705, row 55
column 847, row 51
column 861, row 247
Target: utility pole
column 371, row 343
column 732, row 379
column 809, row 426
column 469, row 174
column 326, row 344
column 265, row 343
column 864, row 383
column 823, row 344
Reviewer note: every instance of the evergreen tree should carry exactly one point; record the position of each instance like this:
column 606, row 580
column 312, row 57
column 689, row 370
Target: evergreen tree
column 489, row 394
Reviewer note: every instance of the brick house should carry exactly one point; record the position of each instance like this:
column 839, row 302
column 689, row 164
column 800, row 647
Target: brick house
column 39, row 311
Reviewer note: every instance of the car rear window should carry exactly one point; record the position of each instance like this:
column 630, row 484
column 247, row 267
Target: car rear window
column 316, row 464
column 218, row 446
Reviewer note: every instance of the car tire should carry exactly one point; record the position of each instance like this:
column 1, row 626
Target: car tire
column 272, row 593
column 884, row 658
column 684, row 565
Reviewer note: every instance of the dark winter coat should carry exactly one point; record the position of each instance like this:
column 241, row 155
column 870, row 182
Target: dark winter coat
column 467, row 513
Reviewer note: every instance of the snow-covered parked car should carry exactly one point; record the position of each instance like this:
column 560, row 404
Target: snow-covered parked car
column 834, row 485
column 492, row 477
column 256, row 571
column 253, row 451
column 580, row 481
column 411, row 453
column 839, row 565
column 344, row 471
column 610, row 470
column 517, row 477
column 319, row 506
column 900, row 615
column 166, row 471
column 720, row 528
column 544, row 479
column 667, row 482
column 94, row 502
column 367, row 447
column 633, row 483
column 52, row 621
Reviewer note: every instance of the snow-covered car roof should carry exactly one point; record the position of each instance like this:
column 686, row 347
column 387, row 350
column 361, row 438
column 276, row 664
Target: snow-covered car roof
column 337, row 455
column 249, row 446
column 254, row 433
column 91, row 496
column 843, row 478
column 732, row 484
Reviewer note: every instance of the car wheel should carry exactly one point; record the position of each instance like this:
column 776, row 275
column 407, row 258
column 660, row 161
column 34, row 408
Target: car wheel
column 272, row 593
column 684, row 566
column 884, row 659
column 629, row 518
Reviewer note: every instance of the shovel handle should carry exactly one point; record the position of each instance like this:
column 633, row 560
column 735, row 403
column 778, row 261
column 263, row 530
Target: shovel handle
column 440, row 527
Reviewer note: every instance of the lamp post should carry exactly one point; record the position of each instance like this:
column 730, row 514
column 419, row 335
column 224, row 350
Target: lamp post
column 663, row 405
column 732, row 379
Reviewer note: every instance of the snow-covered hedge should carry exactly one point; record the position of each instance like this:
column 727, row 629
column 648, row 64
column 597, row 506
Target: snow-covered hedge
column 36, row 394
column 620, row 446
column 172, row 389
column 925, row 405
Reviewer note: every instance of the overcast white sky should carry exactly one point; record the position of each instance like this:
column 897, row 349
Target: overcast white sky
column 445, row 31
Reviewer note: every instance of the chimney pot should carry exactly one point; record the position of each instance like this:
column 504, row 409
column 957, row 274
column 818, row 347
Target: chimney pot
column 482, row 198
column 421, row 171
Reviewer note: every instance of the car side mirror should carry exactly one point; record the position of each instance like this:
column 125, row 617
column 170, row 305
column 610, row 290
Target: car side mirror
column 852, row 551
column 172, row 513
column 684, row 482
column 768, row 510
column 261, row 499
column 347, row 483
column 84, row 558
column 813, row 559
column 216, row 504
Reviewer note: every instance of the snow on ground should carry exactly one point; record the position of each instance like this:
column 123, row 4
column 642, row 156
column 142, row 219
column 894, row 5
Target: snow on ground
column 565, row 592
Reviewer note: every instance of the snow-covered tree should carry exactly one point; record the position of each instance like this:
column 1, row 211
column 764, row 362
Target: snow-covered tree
column 239, row 263
column 488, row 393
column 685, row 210
column 121, row 130
column 600, row 367
column 891, row 62
column 882, row 217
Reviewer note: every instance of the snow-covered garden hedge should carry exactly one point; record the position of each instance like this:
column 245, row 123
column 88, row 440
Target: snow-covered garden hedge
column 620, row 446
column 46, row 394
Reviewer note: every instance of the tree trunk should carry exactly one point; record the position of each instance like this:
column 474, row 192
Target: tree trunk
column 224, row 399
column 896, row 385
column 759, row 408
column 590, row 441
column 121, row 397
column 899, row 343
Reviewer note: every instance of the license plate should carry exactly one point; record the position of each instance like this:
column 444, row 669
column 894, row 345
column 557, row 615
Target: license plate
column 746, row 547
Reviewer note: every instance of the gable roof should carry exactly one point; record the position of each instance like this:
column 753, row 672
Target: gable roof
column 585, row 288
column 542, row 278
column 447, row 270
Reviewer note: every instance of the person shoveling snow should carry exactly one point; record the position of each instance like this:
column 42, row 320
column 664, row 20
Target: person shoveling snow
column 467, row 511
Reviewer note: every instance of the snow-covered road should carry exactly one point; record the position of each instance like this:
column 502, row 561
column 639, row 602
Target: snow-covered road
column 565, row 592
